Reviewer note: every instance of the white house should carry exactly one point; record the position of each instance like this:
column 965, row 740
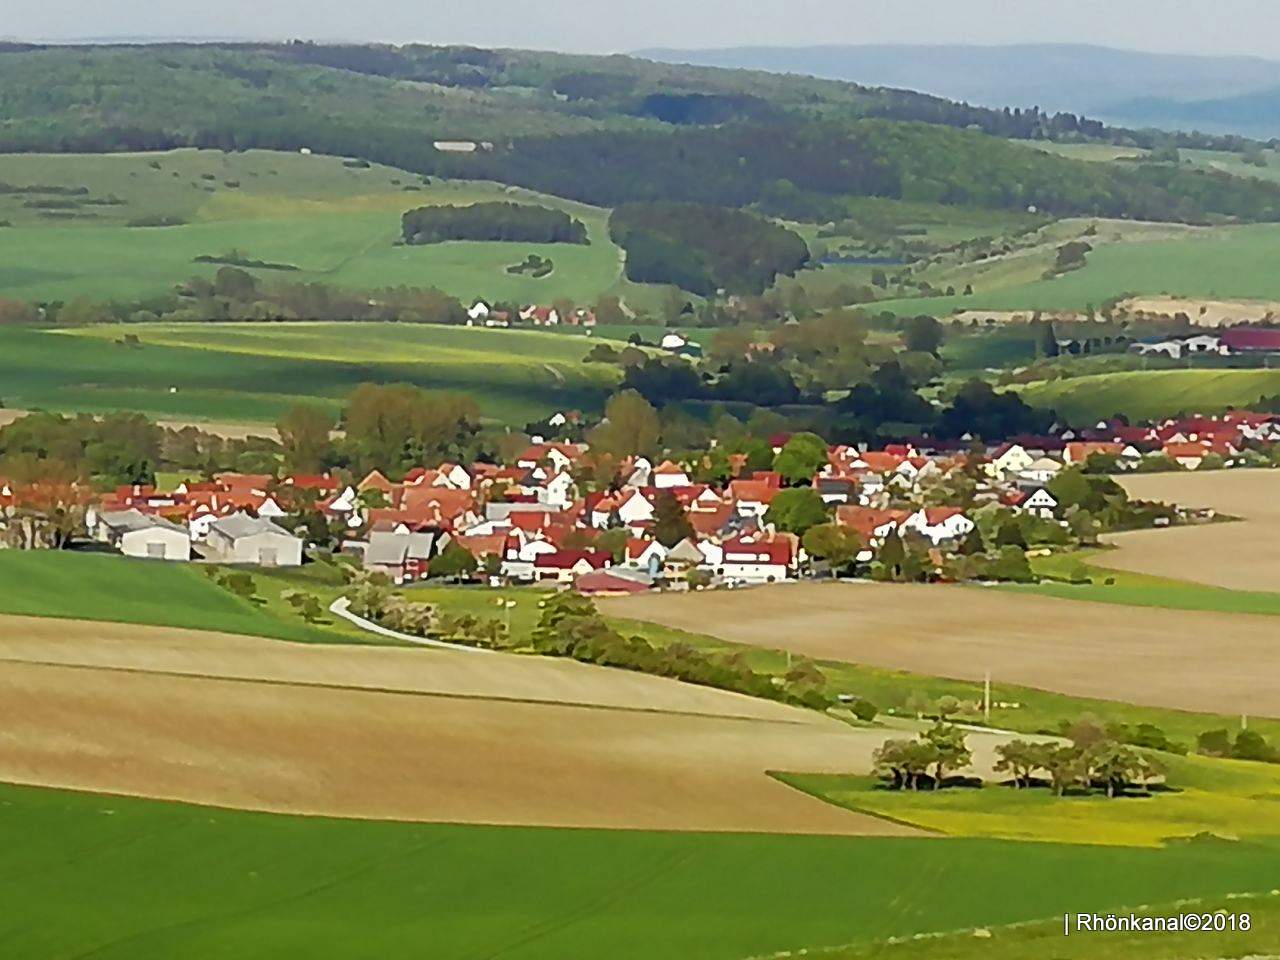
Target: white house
column 1010, row 461
column 645, row 554
column 635, row 509
column 241, row 538
column 667, row 475
column 757, row 561
column 673, row 341
column 1041, row 471
column 557, row 491
column 136, row 534
column 1041, row 503
column 939, row 524
column 479, row 310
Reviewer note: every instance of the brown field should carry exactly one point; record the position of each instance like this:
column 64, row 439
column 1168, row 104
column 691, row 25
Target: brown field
column 228, row 431
column 405, row 734
column 1239, row 556
column 1164, row 658
column 1204, row 313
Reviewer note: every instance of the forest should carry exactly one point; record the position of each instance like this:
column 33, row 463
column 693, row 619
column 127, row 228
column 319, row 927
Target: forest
column 704, row 248
column 496, row 221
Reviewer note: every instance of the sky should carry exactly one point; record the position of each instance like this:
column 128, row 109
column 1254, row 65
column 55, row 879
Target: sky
column 1165, row 26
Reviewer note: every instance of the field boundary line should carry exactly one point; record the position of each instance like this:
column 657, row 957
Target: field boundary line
column 400, row 691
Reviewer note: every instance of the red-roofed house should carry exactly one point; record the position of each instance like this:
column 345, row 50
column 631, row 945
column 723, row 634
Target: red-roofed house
column 939, row 524
column 564, row 566
column 667, row 475
column 758, row 560
column 1250, row 340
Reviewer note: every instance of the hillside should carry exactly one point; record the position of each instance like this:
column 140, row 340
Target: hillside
column 594, row 129
column 1101, row 82
column 1255, row 113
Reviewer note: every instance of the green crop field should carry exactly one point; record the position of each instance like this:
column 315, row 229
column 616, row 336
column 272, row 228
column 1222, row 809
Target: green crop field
column 114, row 877
column 337, row 224
column 253, row 372
column 87, row 586
column 1151, row 394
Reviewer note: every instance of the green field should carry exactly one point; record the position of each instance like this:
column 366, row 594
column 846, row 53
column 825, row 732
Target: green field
column 1138, row 589
column 113, row 877
column 86, row 586
column 1152, row 394
column 1045, row 938
column 336, row 223
column 254, row 372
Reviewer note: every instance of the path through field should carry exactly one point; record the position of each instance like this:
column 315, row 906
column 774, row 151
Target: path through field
column 402, row 734
column 1238, row 556
column 1165, row 658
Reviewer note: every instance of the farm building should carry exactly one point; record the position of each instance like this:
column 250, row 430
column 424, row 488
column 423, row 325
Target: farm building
column 135, row 534
column 241, row 538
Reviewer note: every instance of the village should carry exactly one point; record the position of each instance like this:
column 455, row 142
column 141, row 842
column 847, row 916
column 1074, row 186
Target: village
column 915, row 511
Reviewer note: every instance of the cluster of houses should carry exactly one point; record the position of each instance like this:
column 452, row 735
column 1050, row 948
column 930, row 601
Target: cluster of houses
column 530, row 521
column 1227, row 342
column 483, row 314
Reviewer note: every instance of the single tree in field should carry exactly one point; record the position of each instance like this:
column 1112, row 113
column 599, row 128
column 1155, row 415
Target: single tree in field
column 1064, row 764
column 837, row 545
column 630, row 427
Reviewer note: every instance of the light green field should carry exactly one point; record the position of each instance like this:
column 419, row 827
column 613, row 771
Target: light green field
column 1230, row 799
column 1151, row 394
column 338, row 225
column 117, row 878
column 1094, row 152
column 254, row 372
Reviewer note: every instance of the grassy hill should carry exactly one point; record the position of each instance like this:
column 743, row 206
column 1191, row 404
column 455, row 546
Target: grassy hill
column 254, row 372
column 1145, row 395
column 82, row 234
column 123, row 878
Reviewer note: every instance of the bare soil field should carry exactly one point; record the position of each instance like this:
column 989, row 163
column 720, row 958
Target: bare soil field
column 1143, row 655
column 1239, row 556
column 405, row 734
column 228, row 431
column 1204, row 313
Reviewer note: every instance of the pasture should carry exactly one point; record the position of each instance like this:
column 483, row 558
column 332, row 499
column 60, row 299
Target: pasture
column 1152, row 394
column 1223, row 263
column 212, row 884
column 336, row 223
column 254, row 372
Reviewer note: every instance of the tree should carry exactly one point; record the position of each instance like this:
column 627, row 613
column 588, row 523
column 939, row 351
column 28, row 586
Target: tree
column 304, row 434
column 670, row 522
column 922, row 334
column 1064, row 764
column 951, row 749
column 796, row 510
column 1021, row 759
column 1011, row 565
column 630, row 427
column 801, row 458
column 1116, row 765
column 454, row 561
column 904, row 761
column 835, row 544
column 892, row 553
column 397, row 426
column 1251, row 745
column 1214, row 743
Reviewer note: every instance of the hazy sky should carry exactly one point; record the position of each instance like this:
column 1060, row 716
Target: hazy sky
column 1190, row 26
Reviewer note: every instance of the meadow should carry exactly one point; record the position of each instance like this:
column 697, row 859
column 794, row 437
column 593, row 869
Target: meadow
column 254, row 372
column 1152, row 394
column 335, row 222
column 206, row 884
column 1223, row 263
column 1231, row 800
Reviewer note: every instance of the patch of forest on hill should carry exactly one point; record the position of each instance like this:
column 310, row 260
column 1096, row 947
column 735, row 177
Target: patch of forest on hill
column 599, row 129
column 705, row 248
column 497, row 221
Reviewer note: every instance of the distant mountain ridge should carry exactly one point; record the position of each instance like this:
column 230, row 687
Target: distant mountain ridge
column 1137, row 89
